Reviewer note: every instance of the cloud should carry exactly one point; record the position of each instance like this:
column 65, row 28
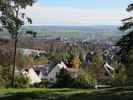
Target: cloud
column 45, row 15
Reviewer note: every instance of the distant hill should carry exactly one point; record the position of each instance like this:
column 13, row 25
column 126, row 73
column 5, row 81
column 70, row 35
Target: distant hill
column 73, row 31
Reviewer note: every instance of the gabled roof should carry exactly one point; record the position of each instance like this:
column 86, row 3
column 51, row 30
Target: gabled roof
column 44, row 68
column 32, row 75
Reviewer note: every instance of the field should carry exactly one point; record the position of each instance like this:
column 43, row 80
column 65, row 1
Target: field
column 119, row 93
column 82, row 32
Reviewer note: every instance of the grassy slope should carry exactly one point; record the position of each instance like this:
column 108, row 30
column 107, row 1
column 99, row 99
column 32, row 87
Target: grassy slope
column 44, row 90
column 40, row 93
column 67, row 94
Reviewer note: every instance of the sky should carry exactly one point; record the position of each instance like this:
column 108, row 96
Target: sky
column 78, row 12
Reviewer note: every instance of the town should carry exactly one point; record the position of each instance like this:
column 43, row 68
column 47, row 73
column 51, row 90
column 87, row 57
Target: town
column 42, row 60
column 66, row 50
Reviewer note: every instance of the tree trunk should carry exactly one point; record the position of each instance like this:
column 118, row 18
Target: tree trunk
column 14, row 62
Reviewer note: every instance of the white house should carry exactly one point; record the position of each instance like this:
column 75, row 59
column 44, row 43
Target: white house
column 45, row 72
column 32, row 75
column 52, row 75
column 28, row 52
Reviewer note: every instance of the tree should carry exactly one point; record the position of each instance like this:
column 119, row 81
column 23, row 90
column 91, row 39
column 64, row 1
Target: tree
column 76, row 62
column 126, row 44
column 84, row 79
column 12, row 19
column 23, row 60
column 97, row 58
column 64, row 79
column 120, row 76
column 55, row 57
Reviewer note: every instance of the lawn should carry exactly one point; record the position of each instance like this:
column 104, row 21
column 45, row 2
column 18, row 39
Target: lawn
column 65, row 91
column 119, row 93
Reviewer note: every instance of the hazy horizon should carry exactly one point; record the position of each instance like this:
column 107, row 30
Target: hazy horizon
column 78, row 12
column 72, row 25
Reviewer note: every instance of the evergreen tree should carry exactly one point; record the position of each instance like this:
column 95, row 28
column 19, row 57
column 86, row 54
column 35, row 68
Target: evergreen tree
column 64, row 79
column 126, row 44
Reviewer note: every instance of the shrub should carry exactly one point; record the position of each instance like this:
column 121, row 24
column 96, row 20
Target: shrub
column 5, row 76
column 66, row 80
column 43, row 84
column 21, row 81
column 84, row 80
column 120, row 76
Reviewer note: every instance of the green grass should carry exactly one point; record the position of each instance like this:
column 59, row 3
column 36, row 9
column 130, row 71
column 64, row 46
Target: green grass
column 119, row 93
column 40, row 93
column 44, row 90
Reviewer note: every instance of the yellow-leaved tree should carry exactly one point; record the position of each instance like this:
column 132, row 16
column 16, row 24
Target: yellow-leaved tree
column 76, row 62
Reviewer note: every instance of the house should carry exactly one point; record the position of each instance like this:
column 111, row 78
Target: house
column 32, row 75
column 49, row 71
column 43, row 70
column 28, row 52
column 52, row 75
column 37, row 73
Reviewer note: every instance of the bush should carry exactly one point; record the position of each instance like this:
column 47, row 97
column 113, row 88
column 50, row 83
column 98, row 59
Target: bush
column 5, row 76
column 79, row 83
column 84, row 80
column 43, row 84
column 66, row 80
column 120, row 76
column 21, row 81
